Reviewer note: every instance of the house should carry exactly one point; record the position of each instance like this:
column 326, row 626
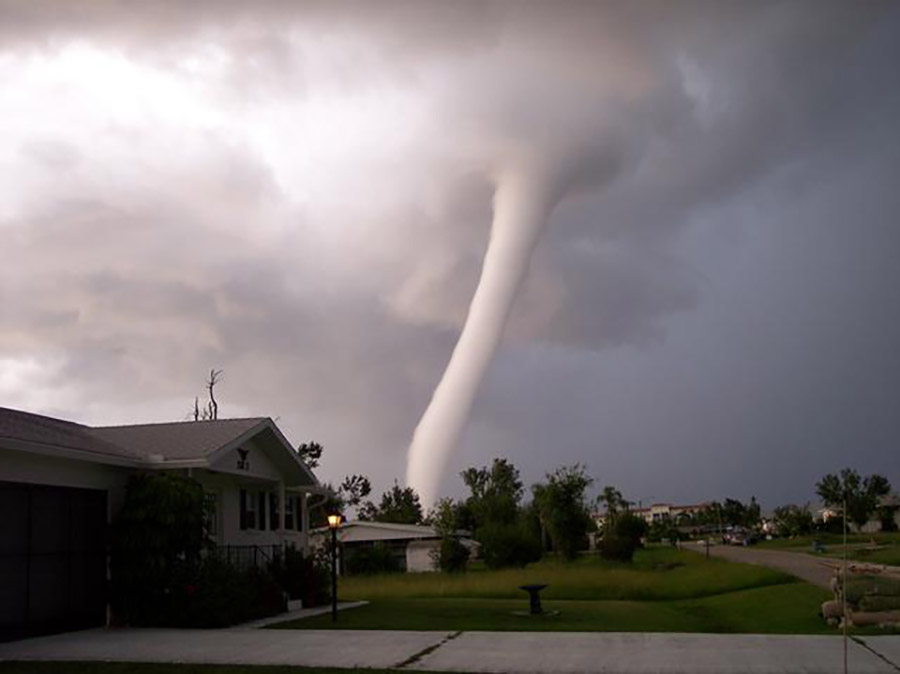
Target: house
column 889, row 502
column 658, row 512
column 62, row 482
column 414, row 546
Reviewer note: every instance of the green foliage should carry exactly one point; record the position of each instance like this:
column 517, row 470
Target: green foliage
column 156, row 544
column 164, row 572
column 612, row 498
column 349, row 494
column 504, row 545
column 305, row 577
column 887, row 517
column 620, row 541
column 354, row 489
column 444, row 518
column 735, row 514
column 223, row 595
column 310, row 453
column 370, row 560
column 563, row 508
column 495, row 494
column 399, row 505
column 453, row 556
column 664, row 529
column 862, row 495
column 793, row 520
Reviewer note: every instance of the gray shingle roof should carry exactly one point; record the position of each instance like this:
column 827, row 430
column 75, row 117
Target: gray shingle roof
column 36, row 429
column 178, row 440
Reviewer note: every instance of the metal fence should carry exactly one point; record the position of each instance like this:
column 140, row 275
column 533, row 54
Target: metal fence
column 249, row 556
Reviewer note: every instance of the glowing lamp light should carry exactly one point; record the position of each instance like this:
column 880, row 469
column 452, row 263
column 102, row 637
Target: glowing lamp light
column 334, row 521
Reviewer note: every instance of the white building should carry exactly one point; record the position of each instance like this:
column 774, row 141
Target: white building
column 414, row 546
column 62, row 482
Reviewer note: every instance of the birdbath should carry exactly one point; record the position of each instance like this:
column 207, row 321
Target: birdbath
column 534, row 598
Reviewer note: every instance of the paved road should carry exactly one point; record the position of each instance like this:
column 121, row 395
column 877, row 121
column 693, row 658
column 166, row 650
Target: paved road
column 526, row 652
column 806, row 567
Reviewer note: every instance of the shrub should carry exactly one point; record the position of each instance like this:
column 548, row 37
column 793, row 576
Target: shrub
column 304, row 577
column 224, row 595
column 452, row 556
column 504, row 545
column 564, row 510
column 157, row 542
column 624, row 537
column 369, row 560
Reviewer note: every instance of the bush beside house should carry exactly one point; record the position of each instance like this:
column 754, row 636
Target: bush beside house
column 165, row 571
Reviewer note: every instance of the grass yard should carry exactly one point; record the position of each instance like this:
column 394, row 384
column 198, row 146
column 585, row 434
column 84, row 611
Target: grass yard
column 887, row 551
column 658, row 573
column 780, row 609
column 665, row 590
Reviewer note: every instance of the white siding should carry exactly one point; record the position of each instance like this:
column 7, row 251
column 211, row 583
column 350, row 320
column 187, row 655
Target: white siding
column 17, row 466
column 419, row 556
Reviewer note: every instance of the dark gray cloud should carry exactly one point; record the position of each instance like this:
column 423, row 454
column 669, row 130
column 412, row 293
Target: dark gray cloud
column 301, row 194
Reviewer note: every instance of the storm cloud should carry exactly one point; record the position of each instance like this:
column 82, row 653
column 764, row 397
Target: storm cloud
column 301, row 195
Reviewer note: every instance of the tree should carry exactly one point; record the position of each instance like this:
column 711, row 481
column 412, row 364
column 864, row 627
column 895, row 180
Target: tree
column 496, row 493
column 862, row 495
column 399, row 505
column 349, row 494
column 452, row 555
column 210, row 411
column 612, row 499
column 310, row 453
column 793, row 520
column 354, row 489
column 563, row 508
column 733, row 513
column 620, row 541
column 157, row 541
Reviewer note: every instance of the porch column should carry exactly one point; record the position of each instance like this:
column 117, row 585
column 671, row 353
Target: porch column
column 282, row 506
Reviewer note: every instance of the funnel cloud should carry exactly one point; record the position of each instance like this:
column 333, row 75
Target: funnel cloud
column 523, row 201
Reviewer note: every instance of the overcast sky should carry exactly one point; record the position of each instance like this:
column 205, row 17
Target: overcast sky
column 301, row 194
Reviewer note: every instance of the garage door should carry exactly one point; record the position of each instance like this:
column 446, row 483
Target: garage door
column 52, row 559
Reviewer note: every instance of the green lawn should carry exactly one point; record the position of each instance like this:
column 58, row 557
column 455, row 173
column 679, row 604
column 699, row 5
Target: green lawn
column 781, row 609
column 665, row 590
column 658, row 573
column 887, row 552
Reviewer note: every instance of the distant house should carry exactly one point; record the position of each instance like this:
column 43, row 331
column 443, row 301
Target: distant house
column 658, row 512
column 413, row 545
column 874, row 525
column 61, row 483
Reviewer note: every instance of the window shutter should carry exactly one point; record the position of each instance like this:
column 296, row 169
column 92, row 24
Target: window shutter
column 243, row 509
column 299, row 510
column 262, row 511
column 273, row 512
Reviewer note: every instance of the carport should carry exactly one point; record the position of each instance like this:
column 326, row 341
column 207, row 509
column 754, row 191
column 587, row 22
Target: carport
column 52, row 559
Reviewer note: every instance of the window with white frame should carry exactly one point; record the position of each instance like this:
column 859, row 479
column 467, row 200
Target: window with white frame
column 289, row 513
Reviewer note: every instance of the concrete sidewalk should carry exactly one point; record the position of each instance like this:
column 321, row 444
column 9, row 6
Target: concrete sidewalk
column 530, row 652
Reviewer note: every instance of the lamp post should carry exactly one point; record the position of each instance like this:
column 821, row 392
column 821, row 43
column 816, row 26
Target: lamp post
column 334, row 522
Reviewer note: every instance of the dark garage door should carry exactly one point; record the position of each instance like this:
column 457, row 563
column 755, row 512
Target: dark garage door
column 52, row 559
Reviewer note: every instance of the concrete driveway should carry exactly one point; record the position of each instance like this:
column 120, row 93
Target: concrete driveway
column 813, row 570
column 553, row 652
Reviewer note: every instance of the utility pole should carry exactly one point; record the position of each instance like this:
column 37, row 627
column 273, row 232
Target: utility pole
column 844, row 581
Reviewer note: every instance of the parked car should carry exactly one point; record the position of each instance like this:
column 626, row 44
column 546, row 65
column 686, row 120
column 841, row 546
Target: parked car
column 739, row 536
